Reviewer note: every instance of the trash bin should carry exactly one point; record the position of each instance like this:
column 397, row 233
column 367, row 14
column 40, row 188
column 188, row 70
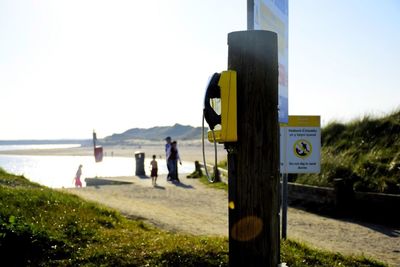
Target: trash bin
column 139, row 157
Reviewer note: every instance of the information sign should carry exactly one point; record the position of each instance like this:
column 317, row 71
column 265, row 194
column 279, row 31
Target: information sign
column 300, row 145
column 272, row 15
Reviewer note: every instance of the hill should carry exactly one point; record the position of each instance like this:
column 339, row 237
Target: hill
column 177, row 131
column 365, row 152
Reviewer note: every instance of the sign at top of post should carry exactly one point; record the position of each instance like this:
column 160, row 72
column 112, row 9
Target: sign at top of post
column 272, row 15
column 300, row 145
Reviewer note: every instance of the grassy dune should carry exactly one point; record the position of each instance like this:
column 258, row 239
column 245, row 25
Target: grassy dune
column 366, row 152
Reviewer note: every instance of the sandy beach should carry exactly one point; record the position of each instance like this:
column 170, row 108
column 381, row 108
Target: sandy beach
column 188, row 150
column 191, row 207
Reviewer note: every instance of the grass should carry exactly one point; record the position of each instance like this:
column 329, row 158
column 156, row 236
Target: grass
column 296, row 254
column 44, row 227
column 366, row 152
column 216, row 185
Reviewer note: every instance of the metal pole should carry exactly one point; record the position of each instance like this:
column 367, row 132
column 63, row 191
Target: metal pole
column 284, row 205
column 250, row 14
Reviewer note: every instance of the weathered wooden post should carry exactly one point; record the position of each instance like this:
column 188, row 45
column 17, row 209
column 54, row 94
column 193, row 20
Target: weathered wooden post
column 253, row 161
column 197, row 173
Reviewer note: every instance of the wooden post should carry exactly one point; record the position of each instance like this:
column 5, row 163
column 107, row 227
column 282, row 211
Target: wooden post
column 94, row 139
column 197, row 173
column 253, row 161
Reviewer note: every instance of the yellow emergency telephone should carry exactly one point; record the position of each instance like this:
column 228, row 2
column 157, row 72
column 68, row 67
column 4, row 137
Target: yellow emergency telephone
column 220, row 110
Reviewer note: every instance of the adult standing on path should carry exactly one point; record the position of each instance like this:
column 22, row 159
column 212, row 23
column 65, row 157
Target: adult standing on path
column 174, row 158
column 167, row 156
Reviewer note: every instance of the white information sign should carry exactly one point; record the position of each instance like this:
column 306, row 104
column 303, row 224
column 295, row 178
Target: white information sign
column 272, row 15
column 301, row 145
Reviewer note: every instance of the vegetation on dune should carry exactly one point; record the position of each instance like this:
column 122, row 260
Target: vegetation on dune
column 365, row 152
column 44, row 227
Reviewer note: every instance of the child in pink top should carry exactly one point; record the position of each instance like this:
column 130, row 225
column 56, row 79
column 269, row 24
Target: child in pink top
column 78, row 182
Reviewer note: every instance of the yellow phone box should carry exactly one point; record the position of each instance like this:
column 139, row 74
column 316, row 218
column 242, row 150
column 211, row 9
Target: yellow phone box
column 227, row 108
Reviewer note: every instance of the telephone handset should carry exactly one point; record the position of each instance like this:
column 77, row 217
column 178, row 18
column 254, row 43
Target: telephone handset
column 220, row 107
column 212, row 91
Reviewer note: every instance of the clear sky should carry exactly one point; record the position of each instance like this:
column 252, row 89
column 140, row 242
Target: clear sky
column 68, row 67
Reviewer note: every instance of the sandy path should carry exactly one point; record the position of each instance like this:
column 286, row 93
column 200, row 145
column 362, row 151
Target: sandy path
column 193, row 208
column 346, row 237
column 186, row 207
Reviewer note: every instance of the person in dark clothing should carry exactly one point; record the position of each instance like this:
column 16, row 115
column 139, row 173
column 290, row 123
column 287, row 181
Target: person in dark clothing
column 154, row 171
column 173, row 160
column 167, row 154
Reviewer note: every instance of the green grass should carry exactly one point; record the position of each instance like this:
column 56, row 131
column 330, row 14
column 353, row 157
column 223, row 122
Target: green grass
column 366, row 152
column 216, row 185
column 296, row 254
column 44, row 227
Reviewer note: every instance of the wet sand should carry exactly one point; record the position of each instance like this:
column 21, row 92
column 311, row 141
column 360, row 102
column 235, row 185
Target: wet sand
column 189, row 151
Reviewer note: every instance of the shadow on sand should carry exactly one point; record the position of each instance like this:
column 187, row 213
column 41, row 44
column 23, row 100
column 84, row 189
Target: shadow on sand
column 159, row 187
column 388, row 229
column 180, row 184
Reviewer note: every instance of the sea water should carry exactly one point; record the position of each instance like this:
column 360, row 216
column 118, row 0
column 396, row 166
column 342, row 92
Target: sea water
column 59, row 171
column 37, row 146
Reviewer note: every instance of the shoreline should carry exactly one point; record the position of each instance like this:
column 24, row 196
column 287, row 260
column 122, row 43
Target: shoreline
column 189, row 151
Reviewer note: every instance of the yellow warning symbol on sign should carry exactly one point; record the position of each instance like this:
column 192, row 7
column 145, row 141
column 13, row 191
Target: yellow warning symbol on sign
column 302, row 148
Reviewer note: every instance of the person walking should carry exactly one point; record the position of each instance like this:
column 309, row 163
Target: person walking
column 77, row 178
column 154, row 171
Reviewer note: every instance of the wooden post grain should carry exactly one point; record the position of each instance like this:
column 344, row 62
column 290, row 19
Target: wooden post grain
column 253, row 161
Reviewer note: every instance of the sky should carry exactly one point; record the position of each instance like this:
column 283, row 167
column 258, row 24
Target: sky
column 68, row 67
